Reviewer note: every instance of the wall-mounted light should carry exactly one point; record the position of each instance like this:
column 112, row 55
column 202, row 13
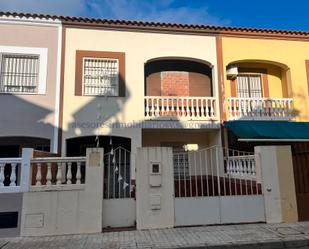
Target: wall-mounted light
column 231, row 72
column 190, row 147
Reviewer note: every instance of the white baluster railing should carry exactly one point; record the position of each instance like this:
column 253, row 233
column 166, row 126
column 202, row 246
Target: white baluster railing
column 9, row 177
column 260, row 108
column 53, row 173
column 241, row 166
column 175, row 107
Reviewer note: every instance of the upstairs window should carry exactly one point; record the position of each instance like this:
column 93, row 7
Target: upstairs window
column 19, row 73
column 249, row 86
column 100, row 76
column 100, row 73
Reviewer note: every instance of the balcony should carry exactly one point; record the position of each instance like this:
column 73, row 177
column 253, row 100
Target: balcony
column 260, row 108
column 179, row 89
column 180, row 108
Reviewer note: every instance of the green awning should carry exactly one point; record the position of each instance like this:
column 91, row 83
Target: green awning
column 269, row 130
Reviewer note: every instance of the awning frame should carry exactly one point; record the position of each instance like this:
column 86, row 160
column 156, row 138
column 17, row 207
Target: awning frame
column 270, row 140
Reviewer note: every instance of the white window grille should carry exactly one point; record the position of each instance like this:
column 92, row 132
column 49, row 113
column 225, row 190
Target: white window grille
column 181, row 162
column 100, row 76
column 19, row 73
column 249, row 86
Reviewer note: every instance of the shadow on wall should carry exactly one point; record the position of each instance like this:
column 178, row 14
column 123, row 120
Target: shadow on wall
column 104, row 116
column 24, row 124
column 304, row 112
column 264, row 111
column 86, row 124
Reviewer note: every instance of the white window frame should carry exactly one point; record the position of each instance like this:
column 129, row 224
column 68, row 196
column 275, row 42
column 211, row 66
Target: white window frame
column 42, row 53
column 83, row 76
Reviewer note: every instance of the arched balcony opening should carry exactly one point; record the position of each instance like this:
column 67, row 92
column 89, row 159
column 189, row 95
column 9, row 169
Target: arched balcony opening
column 259, row 90
column 179, row 89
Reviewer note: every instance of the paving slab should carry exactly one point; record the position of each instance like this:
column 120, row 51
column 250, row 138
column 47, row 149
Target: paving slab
column 253, row 236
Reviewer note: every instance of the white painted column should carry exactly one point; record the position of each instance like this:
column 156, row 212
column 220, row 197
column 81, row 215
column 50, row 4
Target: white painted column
column 278, row 184
column 90, row 207
column 154, row 189
column 57, row 99
column 25, row 179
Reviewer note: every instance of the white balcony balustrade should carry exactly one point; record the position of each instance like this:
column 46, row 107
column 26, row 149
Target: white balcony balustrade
column 241, row 166
column 9, row 177
column 216, row 171
column 57, row 173
column 180, row 108
column 260, row 108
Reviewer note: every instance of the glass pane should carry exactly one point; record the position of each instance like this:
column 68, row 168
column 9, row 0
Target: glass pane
column 255, row 86
column 249, row 86
column 242, row 86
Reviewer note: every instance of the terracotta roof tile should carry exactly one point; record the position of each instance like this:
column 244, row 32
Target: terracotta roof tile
column 69, row 20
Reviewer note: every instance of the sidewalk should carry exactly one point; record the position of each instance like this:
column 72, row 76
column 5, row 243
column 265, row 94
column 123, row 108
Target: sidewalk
column 231, row 236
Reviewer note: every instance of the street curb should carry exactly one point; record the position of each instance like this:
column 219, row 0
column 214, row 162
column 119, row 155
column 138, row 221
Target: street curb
column 286, row 244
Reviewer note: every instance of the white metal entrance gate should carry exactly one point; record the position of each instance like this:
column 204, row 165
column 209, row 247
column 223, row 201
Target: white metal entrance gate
column 118, row 198
column 216, row 187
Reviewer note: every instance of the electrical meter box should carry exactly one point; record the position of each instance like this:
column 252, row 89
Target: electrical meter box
column 155, row 174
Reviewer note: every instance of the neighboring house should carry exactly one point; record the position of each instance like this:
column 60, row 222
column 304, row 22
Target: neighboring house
column 30, row 57
column 30, row 50
column 210, row 93
column 266, row 89
column 265, row 79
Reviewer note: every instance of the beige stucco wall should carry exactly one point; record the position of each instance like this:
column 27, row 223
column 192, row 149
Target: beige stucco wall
column 138, row 47
column 276, row 167
column 288, row 54
column 203, row 138
column 30, row 114
column 67, row 211
column 287, row 184
column 154, row 192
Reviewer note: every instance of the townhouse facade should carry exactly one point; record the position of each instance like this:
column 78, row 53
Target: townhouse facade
column 30, row 83
column 195, row 97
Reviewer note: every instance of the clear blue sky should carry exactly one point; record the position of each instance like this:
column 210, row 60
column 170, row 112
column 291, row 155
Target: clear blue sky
column 276, row 14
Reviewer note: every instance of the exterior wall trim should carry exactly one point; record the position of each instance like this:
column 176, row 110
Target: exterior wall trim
column 140, row 26
column 179, row 31
column 42, row 52
column 233, row 85
column 29, row 21
column 221, row 92
column 61, row 92
column 58, row 89
column 248, row 35
column 80, row 54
